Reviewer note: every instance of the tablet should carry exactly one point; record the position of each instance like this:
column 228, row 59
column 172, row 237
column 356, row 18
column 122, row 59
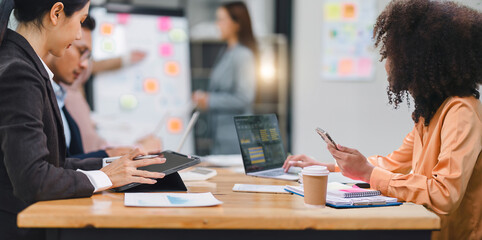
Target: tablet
column 174, row 162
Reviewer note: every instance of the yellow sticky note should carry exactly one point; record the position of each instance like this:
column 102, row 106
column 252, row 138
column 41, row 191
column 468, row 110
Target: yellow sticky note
column 332, row 11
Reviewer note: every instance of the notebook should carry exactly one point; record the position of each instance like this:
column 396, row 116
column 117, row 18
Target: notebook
column 337, row 189
column 354, row 193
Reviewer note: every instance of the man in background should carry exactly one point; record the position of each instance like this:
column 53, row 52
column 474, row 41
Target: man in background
column 70, row 72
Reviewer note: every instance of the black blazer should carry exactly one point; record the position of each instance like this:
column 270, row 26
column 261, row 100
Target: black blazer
column 33, row 166
column 76, row 150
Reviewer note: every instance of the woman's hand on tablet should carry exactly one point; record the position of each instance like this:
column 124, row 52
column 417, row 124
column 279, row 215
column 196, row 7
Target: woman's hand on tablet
column 124, row 170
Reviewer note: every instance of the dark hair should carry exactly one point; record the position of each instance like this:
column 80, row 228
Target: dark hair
column 33, row 10
column 434, row 50
column 89, row 23
column 239, row 13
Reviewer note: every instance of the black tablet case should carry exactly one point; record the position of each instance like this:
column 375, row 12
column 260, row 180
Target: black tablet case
column 170, row 183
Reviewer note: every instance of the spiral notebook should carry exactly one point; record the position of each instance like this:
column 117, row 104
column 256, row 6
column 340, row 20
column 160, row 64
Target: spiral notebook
column 344, row 191
column 354, row 193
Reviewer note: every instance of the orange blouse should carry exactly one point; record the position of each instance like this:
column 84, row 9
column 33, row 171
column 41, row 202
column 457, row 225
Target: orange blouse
column 440, row 167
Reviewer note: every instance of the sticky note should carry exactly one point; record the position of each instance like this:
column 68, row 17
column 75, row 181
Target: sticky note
column 332, row 11
column 174, row 125
column 108, row 45
column 350, row 31
column 151, row 85
column 349, row 11
column 128, row 102
column 107, row 29
column 171, row 68
column 365, row 66
column 123, row 18
column 177, row 35
column 345, row 67
column 333, row 33
column 165, row 50
column 164, row 24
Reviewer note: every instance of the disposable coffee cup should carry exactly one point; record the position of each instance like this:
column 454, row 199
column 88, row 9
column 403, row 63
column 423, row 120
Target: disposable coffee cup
column 315, row 181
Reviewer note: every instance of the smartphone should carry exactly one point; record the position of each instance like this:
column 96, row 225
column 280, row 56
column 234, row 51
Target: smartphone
column 326, row 137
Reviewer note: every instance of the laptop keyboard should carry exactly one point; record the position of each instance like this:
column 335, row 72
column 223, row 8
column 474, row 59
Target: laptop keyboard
column 275, row 172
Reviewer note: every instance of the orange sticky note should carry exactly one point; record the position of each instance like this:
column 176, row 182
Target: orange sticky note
column 174, row 125
column 172, row 68
column 345, row 67
column 107, row 29
column 151, row 85
column 349, row 11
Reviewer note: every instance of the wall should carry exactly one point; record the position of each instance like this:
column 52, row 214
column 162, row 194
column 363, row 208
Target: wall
column 356, row 114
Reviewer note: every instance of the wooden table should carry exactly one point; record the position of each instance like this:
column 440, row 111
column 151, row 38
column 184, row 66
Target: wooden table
column 242, row 216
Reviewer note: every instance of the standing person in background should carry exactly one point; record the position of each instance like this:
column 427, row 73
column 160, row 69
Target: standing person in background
column 232, row 85
column 33, row 166
column 433, row 52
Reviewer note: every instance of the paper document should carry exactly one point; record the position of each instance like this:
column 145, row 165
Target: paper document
column 197, row 174
column 224, row 160
column 170, row 200
column 259, row 188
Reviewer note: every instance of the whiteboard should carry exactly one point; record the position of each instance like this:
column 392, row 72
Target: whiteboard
column 347, row 45
column 153, row 96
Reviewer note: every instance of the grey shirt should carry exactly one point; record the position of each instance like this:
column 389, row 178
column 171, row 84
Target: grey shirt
column 232, row 89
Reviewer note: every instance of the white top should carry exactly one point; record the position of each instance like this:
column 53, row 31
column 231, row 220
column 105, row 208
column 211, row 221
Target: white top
column 60, row 96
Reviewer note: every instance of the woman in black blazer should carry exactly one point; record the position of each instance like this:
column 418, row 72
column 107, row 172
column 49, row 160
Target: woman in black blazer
column 33, row 166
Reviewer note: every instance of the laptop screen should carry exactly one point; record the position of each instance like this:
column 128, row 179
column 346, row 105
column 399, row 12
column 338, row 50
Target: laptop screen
column 260, row 142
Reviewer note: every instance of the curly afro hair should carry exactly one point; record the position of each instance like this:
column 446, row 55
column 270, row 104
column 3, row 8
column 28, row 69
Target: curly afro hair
column 434, row 50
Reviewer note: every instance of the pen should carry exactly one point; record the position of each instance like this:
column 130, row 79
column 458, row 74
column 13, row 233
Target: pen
column 111, row 159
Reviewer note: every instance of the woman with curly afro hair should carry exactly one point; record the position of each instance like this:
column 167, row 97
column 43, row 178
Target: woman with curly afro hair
column 433, row 53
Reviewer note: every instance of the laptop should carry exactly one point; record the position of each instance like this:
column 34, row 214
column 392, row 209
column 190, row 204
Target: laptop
column 262, row 147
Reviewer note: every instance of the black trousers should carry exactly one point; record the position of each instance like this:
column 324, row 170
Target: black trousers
column 10, row 231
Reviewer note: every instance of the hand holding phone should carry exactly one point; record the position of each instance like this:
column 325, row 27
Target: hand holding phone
column 326, row 137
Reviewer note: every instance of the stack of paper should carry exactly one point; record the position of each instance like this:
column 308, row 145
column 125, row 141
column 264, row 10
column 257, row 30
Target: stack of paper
column 376, row 200
column 259, row 188
column 341, row 201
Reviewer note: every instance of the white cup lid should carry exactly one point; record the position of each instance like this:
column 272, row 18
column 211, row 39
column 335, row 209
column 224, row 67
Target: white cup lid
column 315, row 171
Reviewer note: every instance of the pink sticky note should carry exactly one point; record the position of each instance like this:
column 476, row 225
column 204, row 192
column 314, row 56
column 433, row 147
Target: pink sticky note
column 165, row 50
column 164, row 24
column 123, row 18
column 365, row 67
